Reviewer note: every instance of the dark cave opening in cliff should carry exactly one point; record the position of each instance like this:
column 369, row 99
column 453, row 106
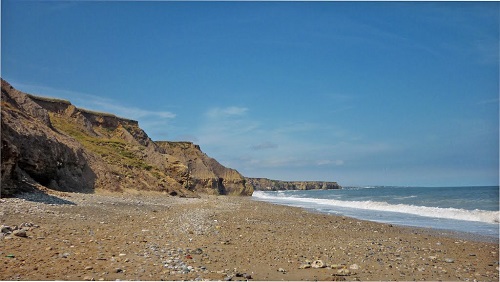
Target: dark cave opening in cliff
column 220, row 186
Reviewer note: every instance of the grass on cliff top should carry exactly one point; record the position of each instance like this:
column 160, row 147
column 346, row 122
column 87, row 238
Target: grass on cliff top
column 48, row 99
column 112, row 150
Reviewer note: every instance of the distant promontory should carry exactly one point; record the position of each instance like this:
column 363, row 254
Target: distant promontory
column 265, row 184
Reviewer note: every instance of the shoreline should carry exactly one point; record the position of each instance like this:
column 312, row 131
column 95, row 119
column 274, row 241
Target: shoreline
column 150, row 236
column 470, row 236
column 476, row 218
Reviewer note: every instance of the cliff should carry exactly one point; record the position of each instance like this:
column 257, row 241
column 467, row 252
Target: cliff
column 50, row 143
column 205, row 173
column 265, row 184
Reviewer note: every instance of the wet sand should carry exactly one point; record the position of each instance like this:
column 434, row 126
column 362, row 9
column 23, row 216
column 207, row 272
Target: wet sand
column 143, row 236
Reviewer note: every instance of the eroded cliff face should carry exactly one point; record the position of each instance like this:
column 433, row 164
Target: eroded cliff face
column 51, row 143
column 265, row 184
column 34, row 153
column 205, row 173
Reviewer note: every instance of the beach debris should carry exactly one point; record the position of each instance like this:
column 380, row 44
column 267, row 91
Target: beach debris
column 318, row 264
column 354, row 267
column 282, row 270
column 449, row 260
column 89, row 268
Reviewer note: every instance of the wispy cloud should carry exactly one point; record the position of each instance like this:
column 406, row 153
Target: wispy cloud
column 226, row 112
column 329, row 162
column 93, row 102
column 237, row 139
column 227, row 127
column 132, row 112
column 265, row 145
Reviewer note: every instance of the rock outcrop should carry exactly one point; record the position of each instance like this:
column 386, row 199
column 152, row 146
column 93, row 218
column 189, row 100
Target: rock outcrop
column 265, row 184
column 50, row 143
column 205, row 173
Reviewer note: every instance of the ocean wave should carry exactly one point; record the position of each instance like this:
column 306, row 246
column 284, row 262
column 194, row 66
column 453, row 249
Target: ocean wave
column 435, row 212
column 405, row 197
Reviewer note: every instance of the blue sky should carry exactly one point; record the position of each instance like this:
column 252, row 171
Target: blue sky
column 384, row 93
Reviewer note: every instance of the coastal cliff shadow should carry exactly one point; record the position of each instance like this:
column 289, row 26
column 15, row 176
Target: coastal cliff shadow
column 42, row 197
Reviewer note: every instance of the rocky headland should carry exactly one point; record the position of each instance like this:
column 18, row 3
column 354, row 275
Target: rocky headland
column 265, row 184
column 50, row 143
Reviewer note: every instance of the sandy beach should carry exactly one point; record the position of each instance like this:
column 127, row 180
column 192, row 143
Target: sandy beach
column 131, row 236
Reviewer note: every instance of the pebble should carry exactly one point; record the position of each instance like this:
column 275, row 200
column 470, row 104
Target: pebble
column 318, row 264
column 343, row 272
column 27, row 225
column 281, row 270
column 20, row 233
column 88, row 278
column 89, row 268
column 354, row 267
column 5, row 229
column 449, row 260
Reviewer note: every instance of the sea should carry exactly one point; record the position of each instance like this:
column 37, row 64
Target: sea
column 473, row 210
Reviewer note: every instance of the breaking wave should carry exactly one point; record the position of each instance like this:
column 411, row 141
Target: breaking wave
column 491, row 217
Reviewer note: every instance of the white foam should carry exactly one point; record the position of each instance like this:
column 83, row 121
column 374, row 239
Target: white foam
column 435, row 212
